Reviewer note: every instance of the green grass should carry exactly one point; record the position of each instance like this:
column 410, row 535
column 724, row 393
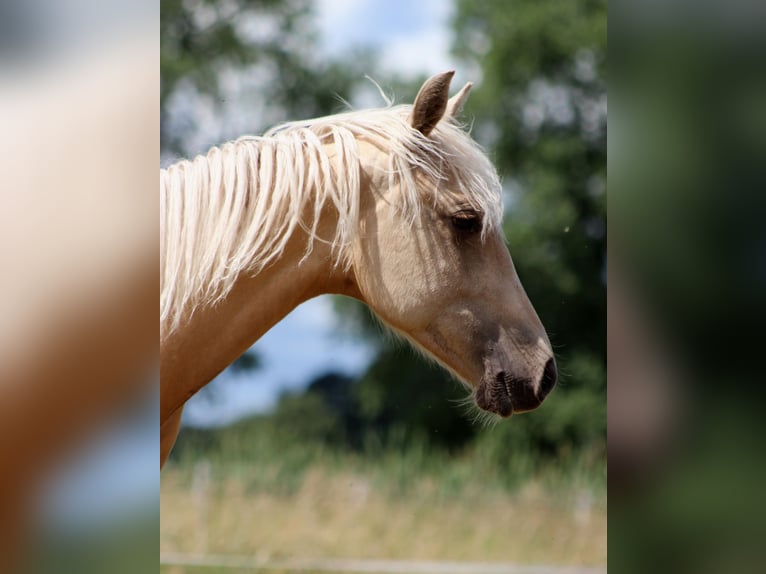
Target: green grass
column 273, row 500
column 264, row 460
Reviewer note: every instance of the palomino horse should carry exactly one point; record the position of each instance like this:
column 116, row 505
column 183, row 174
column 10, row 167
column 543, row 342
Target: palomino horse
column 397, row 207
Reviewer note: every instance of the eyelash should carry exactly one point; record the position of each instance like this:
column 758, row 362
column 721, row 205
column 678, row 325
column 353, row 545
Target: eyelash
column 467, row 222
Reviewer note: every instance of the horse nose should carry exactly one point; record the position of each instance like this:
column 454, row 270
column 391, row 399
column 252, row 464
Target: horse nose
column 526, row 395
column 508, row 393
column 548, row 380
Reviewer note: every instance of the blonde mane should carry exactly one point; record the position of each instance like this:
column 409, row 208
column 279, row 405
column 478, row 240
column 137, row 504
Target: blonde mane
column 233, row 210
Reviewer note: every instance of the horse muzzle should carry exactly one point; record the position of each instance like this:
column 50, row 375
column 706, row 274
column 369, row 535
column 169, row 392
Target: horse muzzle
column 503, row 392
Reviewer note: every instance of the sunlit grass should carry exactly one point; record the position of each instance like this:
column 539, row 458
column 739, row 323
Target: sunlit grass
column 403, row 504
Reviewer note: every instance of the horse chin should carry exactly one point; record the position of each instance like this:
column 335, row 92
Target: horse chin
column 494, row 395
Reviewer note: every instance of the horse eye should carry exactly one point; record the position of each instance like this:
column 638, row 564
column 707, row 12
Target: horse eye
column 467, row 222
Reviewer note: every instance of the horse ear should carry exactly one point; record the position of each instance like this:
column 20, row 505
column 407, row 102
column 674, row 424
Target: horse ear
column 431, row 102
column 455, row 103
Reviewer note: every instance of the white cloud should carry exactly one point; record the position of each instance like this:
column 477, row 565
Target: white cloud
column 423, row 53
column 412, row 37
column 341, row 23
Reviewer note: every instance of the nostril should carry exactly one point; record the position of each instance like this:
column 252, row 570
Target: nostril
column 549, row 378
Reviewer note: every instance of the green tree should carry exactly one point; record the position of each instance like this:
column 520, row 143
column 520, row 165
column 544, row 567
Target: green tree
column 403, row 394
column 203, row 40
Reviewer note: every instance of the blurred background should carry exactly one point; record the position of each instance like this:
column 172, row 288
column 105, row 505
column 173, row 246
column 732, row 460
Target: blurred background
column 328, row 439
column 79, row 485
column 687, row 151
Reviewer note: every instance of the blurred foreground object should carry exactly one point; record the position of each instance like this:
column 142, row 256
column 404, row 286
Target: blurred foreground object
column 78, row 236
column 687, row 148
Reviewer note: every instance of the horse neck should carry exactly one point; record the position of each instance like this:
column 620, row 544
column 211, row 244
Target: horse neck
column 214, row 336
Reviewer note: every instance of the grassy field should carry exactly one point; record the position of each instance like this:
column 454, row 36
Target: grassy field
column 385, row 510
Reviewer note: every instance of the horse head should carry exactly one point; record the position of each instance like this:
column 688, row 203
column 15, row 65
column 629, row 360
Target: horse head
column 431, row 261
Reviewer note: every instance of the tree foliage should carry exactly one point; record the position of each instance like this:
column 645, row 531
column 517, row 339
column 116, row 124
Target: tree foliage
column 207, row 43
